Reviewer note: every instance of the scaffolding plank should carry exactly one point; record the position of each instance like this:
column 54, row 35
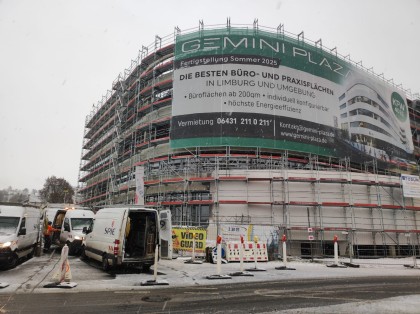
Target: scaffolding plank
column 233, row 178
column 195, row 179
column 200, row 202
column 232, row 202
column 367, row 205
column 335, row 204
column 303, row 203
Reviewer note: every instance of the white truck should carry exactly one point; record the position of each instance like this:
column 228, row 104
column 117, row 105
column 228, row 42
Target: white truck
column 124, row 236
column 71, row 222
column 19, row 233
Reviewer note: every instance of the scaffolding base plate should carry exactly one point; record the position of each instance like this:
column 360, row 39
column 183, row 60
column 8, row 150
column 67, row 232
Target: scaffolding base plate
column 154, row 283
column 3, row 285
column 336, row 266
column 255, row 269
column 66, row 285
column 285, row 268
column 351, row 265
column 241, row 273
column 191, row 261
column 219, row 277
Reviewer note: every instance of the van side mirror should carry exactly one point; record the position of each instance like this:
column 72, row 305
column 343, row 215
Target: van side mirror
column 86, row 230
column 66, row 227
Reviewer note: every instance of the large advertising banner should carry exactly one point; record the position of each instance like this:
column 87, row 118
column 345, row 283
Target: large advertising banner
column 259, row 89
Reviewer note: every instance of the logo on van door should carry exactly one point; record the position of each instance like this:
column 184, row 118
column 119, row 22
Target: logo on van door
column 110, row 231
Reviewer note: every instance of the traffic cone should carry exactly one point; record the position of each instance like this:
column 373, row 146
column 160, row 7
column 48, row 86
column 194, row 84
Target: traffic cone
column 62, row 276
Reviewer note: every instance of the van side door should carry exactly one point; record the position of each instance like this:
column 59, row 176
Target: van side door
column 65, row 230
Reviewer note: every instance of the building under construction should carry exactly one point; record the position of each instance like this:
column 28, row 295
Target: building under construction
column 256, row 130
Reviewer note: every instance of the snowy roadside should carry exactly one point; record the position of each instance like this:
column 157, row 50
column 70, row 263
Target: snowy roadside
column 31, row 276
column 178, row 273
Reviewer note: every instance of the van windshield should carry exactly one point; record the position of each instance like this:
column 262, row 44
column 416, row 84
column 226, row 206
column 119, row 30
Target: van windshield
column 9, row 224
column 79, row 223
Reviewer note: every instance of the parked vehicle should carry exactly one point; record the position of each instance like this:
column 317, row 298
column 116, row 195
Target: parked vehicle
column 19, row 233
column 123, row 236
column 71, row 222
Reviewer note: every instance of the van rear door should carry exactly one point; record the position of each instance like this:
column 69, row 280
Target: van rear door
column 125, row 228
column 141, row 236
column 165, row 233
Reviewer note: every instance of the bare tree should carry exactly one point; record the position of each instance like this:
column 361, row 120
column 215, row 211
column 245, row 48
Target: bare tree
column 3, row 195
column 57, row 190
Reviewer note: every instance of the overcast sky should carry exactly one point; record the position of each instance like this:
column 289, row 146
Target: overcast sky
column 58, row 57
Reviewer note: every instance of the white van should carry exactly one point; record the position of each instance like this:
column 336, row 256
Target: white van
column 19, row 233
column 123, row 236
column 71, row 222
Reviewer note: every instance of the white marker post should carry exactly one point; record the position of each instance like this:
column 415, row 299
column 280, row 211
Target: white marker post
column 241, row 261
column 284, row 251
column 241, row 254
column 155, row 266
column 155, row 282
column 336, row 264
column 193, row 248
column 336, row 249
column 284, row 267
column 219, row 262
column 192, row 259
column 219, row 256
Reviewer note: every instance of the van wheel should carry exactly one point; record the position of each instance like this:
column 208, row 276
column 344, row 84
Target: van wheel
column 13, row 261
column 71, row 248
column 32, row 253
column 83, row 255
column 146, row 268
column 105, row 263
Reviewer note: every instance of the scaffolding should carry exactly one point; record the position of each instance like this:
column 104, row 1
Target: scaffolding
column 295, row 192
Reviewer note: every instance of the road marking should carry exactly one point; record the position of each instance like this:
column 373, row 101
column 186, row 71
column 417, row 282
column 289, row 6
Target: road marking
column 164, row 305
column 192, row 292
column 300, row 294
column 131, row 292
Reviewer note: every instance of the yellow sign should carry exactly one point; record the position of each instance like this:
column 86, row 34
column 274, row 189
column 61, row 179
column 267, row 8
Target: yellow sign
column 183, row 239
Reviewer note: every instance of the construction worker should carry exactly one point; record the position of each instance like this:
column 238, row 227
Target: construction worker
column 48, row 235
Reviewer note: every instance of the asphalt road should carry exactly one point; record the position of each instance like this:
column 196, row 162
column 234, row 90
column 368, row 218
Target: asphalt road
column 255, row 297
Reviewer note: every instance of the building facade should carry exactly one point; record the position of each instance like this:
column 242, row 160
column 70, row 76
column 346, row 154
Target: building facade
column 255, row 130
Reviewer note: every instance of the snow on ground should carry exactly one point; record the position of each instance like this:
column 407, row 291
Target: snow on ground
column 398, row 305
column 39, row 270
column 31, row 276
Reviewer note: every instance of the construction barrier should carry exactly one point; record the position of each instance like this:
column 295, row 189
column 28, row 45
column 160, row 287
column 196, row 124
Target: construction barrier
column 251, row 250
